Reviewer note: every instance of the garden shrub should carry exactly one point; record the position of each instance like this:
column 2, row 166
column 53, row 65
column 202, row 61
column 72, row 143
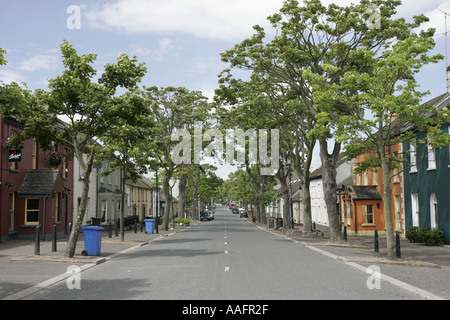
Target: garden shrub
column 412, row 234
column 432, row 237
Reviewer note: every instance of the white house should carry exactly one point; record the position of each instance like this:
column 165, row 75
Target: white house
column 77, row 189
column 344, row 176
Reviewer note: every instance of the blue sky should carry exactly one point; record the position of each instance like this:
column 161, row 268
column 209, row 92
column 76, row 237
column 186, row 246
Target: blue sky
column 179, row 40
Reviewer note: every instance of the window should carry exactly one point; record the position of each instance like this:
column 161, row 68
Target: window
column 413, row 157
column 433, row 211
column 34, row 155
column 65, row 165
column 395, row 173
column 368, row 214
column 431, row 158
column 55, row 207
column 12, row 212
column 415, row 209
column 398, row 225
column 32, row 211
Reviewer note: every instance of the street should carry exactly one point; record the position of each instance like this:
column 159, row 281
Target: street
column 224, row 259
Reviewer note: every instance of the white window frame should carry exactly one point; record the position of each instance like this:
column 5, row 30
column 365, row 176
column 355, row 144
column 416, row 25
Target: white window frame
column 366, row 214
column 412, row 157
column 433, row 211
column 431, row 158
column 415, row 209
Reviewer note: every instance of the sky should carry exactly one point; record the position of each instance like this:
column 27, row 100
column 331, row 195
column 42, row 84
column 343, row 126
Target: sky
column 179, row 40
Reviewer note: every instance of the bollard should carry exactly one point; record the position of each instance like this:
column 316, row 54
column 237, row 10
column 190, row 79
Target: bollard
column 345, row 233
column 377, row 248
column 37, row 244
column 54, row 238
column 117, row 228
column 397, row 245
column 135, row 225
column 110, row 230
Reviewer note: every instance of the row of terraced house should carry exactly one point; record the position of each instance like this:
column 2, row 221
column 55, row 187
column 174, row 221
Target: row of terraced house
column 34, row 192
column 420, row 191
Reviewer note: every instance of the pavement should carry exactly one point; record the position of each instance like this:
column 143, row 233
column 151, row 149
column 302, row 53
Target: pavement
column 23, row 273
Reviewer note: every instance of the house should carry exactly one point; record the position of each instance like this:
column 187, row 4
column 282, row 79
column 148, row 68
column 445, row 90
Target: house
column 427, row 180
column 109, row 193
column 35, row 188
column 91, row 209
column 275, row 209
column 139, row 198
column 420, row 191
column 361, row 204
column 344, row 176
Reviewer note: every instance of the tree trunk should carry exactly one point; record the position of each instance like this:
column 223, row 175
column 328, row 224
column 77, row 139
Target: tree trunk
column 306, row 192
column 166, row 217
column 78, row 221
column 389, row 224
column 306, row 198
column 330, row 187
column 182, row 197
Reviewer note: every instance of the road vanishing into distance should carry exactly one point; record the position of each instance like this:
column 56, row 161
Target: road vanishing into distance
column 224, row 259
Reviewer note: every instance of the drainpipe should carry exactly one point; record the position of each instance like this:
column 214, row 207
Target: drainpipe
column 43, row 224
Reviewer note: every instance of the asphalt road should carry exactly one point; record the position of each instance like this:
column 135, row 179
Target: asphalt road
column 224, row 259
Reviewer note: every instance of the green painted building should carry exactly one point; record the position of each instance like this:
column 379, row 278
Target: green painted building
column 427, row 181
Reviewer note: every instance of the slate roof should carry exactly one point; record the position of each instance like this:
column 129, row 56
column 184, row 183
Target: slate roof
column 365, row 193
column 38, row 184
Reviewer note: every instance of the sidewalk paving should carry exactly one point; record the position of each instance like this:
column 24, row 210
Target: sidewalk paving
column 362, row 248
column 23, row 273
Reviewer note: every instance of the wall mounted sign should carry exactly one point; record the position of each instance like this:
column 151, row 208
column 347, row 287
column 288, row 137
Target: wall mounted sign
column 15, row 155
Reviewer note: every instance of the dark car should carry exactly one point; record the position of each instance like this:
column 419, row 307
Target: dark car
column 205, row 216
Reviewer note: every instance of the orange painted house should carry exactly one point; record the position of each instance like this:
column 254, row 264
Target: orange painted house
column 361, row 205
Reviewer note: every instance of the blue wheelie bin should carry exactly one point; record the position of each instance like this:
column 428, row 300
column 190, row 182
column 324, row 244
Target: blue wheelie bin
column 149, row 225
column 92, row 240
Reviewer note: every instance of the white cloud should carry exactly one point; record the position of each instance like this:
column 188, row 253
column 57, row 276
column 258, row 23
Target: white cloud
column 228, row 20
column 212, row 19
column 40, row 62
column 9, row 76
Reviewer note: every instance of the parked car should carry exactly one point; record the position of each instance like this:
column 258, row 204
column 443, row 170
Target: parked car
column 243, row 213
column 204, row 215
column 235, row 210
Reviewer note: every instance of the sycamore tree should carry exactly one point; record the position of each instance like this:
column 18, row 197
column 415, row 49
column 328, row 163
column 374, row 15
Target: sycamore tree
column 385, row 99
column 316, row 41
column 90, row 109
column 129, row 143
column 174, row 109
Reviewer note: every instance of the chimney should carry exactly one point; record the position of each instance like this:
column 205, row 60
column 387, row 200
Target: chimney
column 448, row 79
